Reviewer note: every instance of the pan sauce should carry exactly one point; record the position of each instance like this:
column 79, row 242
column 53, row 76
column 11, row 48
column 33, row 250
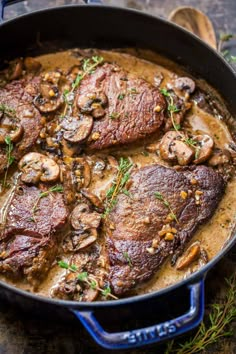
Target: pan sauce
column 212, row 235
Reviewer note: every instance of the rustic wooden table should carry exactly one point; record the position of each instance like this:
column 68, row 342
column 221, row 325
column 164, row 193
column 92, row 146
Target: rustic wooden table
column 23, row 333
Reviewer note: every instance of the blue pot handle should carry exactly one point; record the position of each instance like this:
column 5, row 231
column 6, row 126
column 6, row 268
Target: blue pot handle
column 4, row 3
column 148, row 335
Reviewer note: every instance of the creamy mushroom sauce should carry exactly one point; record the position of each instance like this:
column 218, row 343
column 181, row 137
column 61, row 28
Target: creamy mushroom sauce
column 213, row 235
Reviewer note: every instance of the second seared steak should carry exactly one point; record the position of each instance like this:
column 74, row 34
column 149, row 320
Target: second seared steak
column 28, row 243
column 164, row 209
column 19, row 111
column 132, row 108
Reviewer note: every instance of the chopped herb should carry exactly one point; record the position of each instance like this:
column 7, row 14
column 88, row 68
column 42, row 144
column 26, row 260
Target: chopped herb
column 10, row 158
column 127, row 258
column 145, row 153
column 159, row 196
column 118, row 184
column 121, row 96
column 88, row 279
column 114, row 115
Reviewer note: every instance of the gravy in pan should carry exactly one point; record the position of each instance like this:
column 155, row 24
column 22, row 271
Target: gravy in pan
column 153, row 68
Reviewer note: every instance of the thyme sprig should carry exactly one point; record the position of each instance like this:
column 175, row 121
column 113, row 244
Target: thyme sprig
column 88, row 68
column 118, row 184
column 88, row 279
column 172, row 108
column 56, row 188
column 160, row 196
column 213, row 329
column 7, row 110
column 10, row 158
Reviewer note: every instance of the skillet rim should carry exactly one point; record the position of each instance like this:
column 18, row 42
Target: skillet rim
column 194, row 277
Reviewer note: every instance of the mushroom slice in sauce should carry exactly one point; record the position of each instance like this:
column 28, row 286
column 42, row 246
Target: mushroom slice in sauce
column 173, row 147
column 9, row 126
column 204, row 148
column 32, row 65
column 190, row 255
column 93, row 103
column 83, row 218
column 49, row 98
column 15, row 69
column 185, row 84
column 93, row 198
column 77, row 129
column 37, row 167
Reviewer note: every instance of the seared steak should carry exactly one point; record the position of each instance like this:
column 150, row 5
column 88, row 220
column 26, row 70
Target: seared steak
column 16, row 98
column 28, row 243
column 164, row 209
column 133, row 109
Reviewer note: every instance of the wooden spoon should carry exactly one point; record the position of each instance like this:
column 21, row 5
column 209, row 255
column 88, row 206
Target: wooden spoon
column 196, row 22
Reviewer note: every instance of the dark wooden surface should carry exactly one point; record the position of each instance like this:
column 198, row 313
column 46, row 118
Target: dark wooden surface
column 26, row 334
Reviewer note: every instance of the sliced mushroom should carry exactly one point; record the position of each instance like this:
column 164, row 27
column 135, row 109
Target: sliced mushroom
column 77, row 129
column 93, row 103
column 82, row 172
column 172, row 148
column 189, row 256
column 94, row 199
column 220, row 157
column 204, row 148
column 83, row 218
column 15, row 69
column 49, row 98
column 37, row 167
column 79, row 239
column 31, row 64
column 69, row 149
column 10, row 127
column 185, row 84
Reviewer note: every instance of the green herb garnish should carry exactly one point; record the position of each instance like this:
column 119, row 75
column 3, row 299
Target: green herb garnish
column 114, row 115
column 88, row 68
column 127, row 258
column 172, row 108
column 121, row 96
column 213, row 328
column 10, row 158
column 118, row 184
column 159, row 196
column 7, row 110
column 88, row 279
column 57, row 188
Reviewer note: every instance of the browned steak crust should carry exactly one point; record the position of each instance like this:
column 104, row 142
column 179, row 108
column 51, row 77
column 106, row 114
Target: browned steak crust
column 28, row 243
column 15, row 96
column 130, row 114
column 138, row 219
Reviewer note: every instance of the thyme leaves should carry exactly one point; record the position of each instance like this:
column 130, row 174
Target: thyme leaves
column 165, row 202
column 88, row 279
column 10, row 158
column 57, row 188
column 211, row 330
column 88, row 67
column 118, row 184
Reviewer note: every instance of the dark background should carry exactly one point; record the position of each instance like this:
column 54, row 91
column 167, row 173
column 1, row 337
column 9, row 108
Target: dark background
column 22, row 333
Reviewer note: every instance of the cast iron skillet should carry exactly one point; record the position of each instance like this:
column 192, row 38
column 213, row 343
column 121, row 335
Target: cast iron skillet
column 110, row 27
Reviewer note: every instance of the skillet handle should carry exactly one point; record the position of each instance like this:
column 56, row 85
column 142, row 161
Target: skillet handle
column 4, row 3
column 148, row 335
